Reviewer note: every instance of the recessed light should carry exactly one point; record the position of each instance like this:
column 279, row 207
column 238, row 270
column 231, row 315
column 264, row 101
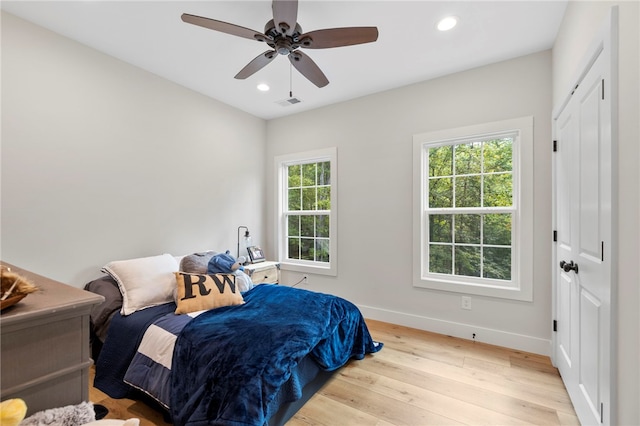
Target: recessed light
column 263, row 87
column 445, row 24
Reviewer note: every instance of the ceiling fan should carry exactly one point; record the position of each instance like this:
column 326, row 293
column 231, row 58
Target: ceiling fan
column 284, row 35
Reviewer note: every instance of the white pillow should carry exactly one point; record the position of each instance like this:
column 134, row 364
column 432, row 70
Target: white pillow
column 144, row 282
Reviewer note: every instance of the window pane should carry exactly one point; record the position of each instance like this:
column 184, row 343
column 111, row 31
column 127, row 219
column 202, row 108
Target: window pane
column 324, row 198
column 468, row 158
column 497, row 155
column 294, row 199
column 440, row 228
column 440, row 259
column 497, row 263
column 322, row 250
column 497, row 229
column 498, row 190
column 440, row 192
column 467, row 261
column 468, row 191
column 324, row 173
column 309, row 174
column 467, row 228
column 306, row 248
column 307, row 228
column 322, row 226
column 293, row 226
column 309, row 198
column 441, row 161
column 294, row 176
column 293, row 248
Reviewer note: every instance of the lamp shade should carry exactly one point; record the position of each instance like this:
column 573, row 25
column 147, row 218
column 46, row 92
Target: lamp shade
column 244, row 242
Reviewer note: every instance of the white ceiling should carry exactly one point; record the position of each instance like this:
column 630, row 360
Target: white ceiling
column 151, row 35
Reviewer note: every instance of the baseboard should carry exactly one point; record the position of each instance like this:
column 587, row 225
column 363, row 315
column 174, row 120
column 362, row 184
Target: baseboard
column 465, row 331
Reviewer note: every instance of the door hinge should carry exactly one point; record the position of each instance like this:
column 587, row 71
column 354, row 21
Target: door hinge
column 574, row 89
column 555, row 236
column 603, row 89
column 601, row 412
column 555, row 146
column 555, row 325
column 602, row 251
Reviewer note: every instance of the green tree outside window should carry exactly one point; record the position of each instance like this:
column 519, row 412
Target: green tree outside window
column 309, row 207
column 470, row 198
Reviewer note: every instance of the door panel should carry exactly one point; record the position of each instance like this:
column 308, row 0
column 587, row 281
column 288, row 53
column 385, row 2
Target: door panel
column 564, row 319
column 589, row 349
column 589, row 178
column 563, row 175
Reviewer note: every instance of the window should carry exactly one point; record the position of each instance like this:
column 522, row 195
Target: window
column 306, row 219
column 473, row 218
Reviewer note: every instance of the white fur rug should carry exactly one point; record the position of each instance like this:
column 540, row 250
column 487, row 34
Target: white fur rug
column 71, row 415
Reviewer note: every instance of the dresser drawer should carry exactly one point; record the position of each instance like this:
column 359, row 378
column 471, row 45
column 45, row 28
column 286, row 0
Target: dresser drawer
column 41, row 351
column 264, row 272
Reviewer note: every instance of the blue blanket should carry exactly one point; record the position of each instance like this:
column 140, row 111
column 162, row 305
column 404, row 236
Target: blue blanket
column 239, row 386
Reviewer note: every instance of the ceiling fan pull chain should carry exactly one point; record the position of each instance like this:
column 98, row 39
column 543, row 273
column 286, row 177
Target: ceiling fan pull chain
column 290, row 80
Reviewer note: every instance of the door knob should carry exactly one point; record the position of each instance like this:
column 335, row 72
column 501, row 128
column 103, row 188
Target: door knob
column 569, row 266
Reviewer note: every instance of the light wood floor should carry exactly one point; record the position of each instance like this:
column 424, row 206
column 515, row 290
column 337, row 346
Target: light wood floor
column 418, row 379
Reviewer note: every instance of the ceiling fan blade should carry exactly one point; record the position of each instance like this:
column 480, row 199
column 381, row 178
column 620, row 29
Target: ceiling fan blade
column 256, row 64
column 308, row 68
column 337, row 37
column 285, row 15
column 223, row 27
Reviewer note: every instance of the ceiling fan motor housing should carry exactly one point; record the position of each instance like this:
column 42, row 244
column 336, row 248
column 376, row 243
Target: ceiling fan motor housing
column 281, row 42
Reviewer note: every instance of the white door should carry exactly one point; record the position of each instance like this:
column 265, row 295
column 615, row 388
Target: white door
column 582, row 344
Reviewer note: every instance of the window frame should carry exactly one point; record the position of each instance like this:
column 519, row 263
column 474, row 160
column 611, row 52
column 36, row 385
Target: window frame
column 520, row 287
column 281, row 164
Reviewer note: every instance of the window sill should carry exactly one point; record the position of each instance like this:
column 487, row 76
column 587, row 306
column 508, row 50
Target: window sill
column 512, row 293
column 308, row 269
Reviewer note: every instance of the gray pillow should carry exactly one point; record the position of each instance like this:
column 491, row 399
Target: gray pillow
column 102, row 313
column 196, row 263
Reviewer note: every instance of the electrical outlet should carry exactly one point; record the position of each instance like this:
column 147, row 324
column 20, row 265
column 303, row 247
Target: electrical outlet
column 466, row 303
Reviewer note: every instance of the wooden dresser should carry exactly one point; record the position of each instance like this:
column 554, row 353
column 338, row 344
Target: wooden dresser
column 45, row 356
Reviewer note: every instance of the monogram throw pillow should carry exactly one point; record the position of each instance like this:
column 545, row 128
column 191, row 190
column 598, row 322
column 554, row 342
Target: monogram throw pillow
column 198, row 292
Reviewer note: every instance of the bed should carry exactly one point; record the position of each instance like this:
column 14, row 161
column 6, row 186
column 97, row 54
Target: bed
column 253, row 359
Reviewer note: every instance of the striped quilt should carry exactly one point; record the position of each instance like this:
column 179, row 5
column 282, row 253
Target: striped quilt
column 150, row 369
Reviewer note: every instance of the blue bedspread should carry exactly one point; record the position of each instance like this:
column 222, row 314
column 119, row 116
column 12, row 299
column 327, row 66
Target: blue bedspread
column 266, row 338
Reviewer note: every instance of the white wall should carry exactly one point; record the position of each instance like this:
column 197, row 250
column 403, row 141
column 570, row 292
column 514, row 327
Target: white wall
column 581, row 22
column 373, row 136
column 104, row 161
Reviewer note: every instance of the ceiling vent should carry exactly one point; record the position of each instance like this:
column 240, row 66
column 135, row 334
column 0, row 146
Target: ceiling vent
column 288, row 102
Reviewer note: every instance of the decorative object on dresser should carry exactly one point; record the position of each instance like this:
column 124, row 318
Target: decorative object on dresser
column 13, row 287
column 45, row 345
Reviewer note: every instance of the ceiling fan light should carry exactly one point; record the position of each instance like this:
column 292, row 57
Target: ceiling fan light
column 263, row 87
column 447, row 23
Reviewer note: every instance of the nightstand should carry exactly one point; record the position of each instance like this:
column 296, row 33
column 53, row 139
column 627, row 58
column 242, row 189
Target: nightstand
column 263, row 272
